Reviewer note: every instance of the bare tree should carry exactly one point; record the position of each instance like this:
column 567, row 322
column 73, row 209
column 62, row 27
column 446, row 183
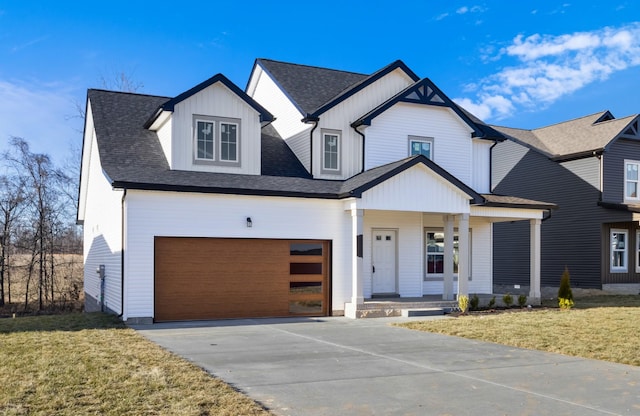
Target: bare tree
column 11, row 207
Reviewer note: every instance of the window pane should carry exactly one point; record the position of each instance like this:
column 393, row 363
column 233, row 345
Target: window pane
column 632, row 171
column 204, row 134
column 305, row 249
column 228, row 141
column 421, row 148
column 305, row 268
column 308, row 288
column 331, row 151
column 305, row 307
column 632, row 189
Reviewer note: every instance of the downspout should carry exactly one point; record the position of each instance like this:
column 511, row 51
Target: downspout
column 315, row 125
column 122, row 231
column 363, row 147
column 495, row 142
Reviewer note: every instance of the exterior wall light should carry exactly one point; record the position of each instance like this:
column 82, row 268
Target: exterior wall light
column 249, row 222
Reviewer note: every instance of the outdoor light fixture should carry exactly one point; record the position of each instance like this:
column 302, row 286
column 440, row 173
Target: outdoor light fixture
column 249, row 222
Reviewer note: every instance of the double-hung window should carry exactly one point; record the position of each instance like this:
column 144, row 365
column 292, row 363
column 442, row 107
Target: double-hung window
column 434, row 254
column 631, row 177
column 331, row 151
column 421, row 146
column 619, row 250
column 217, row 140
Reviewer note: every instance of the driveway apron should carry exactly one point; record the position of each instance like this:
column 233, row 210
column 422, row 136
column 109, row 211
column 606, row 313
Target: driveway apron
column 338, row 366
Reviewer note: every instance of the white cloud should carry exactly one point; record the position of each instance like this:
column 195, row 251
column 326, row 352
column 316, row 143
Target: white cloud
column 40, row 114
column 550, row 67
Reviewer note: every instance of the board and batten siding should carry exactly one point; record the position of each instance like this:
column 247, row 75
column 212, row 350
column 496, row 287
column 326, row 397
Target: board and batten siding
column 102, row 230
column 216, row 101
column 265, row 91
column 300, row 145
column 343, row 114
column 416, row 189
column 571, row 237
column 481, row 169
column 164, row 135
column 613, row 168
column 387, row 139
column 150, row 214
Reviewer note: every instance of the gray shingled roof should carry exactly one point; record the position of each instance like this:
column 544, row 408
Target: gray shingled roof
column 132, row 157
column 581, row 135
column 493, row 200
column 309, row 86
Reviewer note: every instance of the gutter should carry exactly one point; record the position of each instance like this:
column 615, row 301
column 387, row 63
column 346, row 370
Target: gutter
column 355, row 128
column 122, row 231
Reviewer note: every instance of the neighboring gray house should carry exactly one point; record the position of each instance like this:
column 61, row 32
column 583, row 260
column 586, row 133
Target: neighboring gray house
column 589, row 168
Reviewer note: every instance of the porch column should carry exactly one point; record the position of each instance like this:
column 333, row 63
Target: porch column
column 447, row 267
column 463, row 255
column 535, row 242
column 357, row 297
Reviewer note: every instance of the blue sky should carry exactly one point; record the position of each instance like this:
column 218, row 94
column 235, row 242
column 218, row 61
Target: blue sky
column 520, row 63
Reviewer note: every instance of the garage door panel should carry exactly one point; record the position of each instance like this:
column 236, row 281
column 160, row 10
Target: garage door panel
column 207, row 278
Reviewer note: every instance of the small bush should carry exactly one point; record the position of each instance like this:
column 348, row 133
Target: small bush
column 565, row 295
column 474, row 303
column 522, row 300
column 507, row 300
column 463, row 303
column 492, row 302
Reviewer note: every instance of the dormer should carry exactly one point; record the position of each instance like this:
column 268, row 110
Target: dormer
column 213, row 127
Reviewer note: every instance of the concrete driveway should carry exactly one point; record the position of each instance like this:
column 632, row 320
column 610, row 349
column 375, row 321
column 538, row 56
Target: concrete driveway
column 338, row 366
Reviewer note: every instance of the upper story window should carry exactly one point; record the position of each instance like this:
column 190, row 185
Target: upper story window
column 217, row 140
column 331, row 144
column 421, row 146
column 631, row 179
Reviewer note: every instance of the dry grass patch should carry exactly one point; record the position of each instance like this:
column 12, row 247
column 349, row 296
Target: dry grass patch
column 92, row 364
column 600, row 332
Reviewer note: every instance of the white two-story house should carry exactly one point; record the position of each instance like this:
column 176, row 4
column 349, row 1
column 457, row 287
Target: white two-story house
column 308, row 193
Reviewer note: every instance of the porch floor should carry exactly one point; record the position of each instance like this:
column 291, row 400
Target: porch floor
column 393, row 306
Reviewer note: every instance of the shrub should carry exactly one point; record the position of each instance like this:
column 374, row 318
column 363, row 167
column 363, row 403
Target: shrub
column 507, row 300
column 565, row 295
column 492, row 302
column 522, row 300
column 463, row 303
column 474, row 302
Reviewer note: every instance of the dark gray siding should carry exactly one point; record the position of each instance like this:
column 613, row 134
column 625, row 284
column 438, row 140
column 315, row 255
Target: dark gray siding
column 630, row 276
column 571, row 237
column 613, row 168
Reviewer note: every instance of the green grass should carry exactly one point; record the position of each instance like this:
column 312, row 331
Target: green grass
column 92, row 364
column 599, row 327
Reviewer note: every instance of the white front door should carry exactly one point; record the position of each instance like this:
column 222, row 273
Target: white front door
column 383, row 261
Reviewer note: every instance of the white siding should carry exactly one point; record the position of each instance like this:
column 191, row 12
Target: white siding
column 481, row 258
column 416, row 189
column 264, row 90
column 218, row 101
column 387, row 139
column 152, row 214
column 164, row 135
column 409, row 249
column 342, row 115
column 481, row 175
column 299, row 144
column 102, row 232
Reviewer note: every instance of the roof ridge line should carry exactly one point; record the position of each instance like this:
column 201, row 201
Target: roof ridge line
column 312, row 66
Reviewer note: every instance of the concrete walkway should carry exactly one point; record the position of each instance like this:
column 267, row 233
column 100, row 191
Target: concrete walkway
column 338, row 366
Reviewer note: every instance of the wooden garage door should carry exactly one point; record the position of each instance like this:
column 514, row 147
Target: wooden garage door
column 211, row 278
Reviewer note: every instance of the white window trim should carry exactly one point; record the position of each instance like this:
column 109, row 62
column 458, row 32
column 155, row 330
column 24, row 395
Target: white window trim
column 439, row 277
column 323, row 165
column 233, row 123
column 625, row 268
column 624, row 190
column 421, row 139
column 637, row 251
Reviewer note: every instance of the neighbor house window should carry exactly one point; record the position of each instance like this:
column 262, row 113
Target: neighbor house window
column 421, row 146
column 217, row 140
column 631, row 180
column 619, row 246
column 434, row 254
column 331, row 151
column 637, row 251
column 204, row 135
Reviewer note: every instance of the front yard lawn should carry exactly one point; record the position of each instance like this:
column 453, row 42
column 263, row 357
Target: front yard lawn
column 92, row 364
column 599, row 327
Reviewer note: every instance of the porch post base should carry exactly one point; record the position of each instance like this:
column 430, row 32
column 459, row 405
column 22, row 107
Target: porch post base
column 351, row 310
